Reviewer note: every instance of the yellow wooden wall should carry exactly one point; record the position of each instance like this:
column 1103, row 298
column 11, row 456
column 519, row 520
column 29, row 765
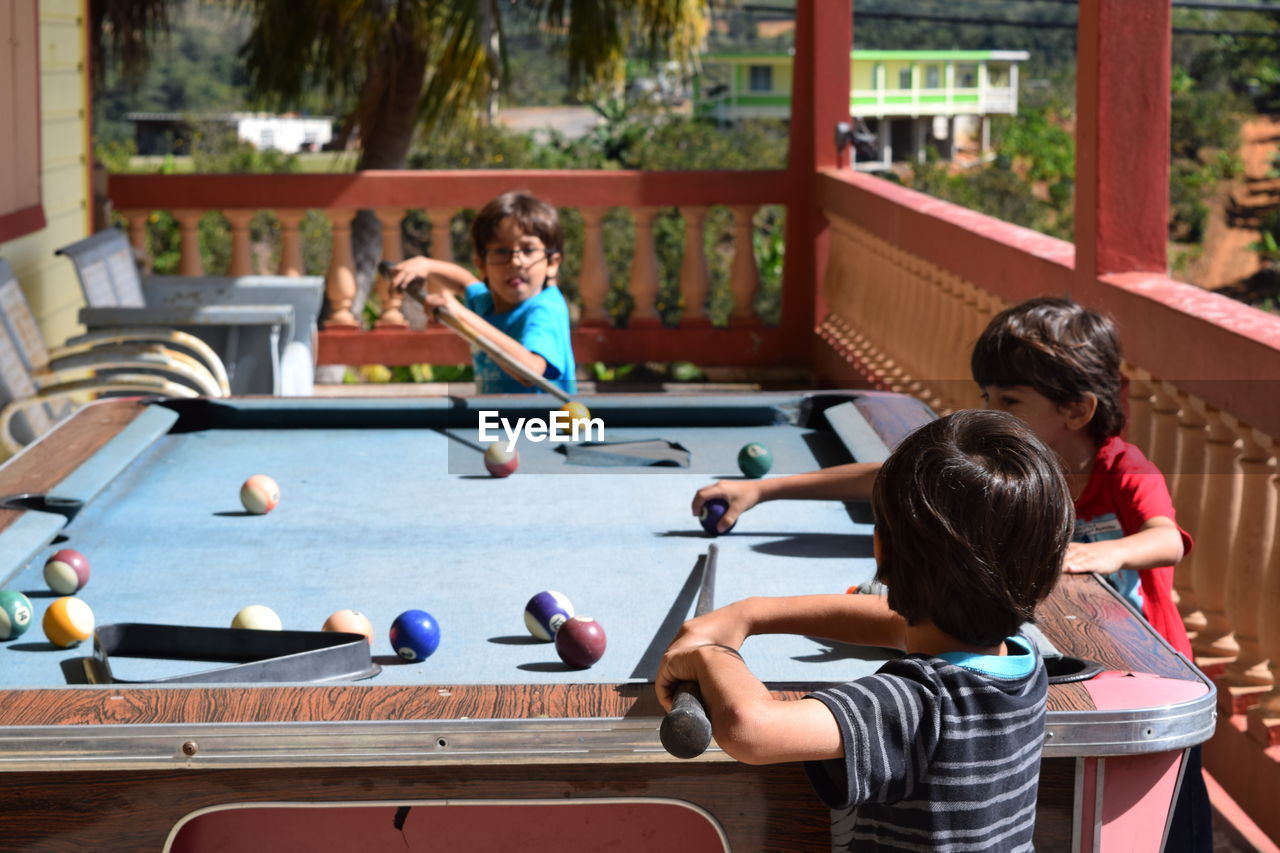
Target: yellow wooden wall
column 48, row 281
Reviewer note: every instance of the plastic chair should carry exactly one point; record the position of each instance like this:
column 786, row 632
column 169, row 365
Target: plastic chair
column 39, row 386
column 264, row 328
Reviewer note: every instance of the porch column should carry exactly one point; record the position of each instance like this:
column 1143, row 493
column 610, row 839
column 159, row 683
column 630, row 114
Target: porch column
column 1122, row 137
column 819, row 90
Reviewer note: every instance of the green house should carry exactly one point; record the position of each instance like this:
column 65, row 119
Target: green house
column 911, row 99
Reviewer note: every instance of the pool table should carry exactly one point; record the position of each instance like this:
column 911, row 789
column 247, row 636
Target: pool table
column 492, row 742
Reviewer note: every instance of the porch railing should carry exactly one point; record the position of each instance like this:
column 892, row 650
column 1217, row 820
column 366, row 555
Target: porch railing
column 745, row 341
column 910, row 283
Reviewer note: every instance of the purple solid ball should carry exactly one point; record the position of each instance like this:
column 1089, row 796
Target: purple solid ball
column 712, row 511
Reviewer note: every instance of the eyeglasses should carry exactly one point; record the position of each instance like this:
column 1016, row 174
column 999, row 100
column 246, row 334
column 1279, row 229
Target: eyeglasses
column 528, row 254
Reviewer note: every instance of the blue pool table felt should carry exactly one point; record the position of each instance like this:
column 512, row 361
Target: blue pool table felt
column 386, row 520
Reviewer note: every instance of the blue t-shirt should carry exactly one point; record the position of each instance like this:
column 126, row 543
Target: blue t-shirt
column 540, row 324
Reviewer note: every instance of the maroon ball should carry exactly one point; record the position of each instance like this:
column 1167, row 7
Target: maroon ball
column 66, row 572
column 580, row 641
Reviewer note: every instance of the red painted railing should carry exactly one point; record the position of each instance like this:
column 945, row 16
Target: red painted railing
column 745, row 341
column 912, row 281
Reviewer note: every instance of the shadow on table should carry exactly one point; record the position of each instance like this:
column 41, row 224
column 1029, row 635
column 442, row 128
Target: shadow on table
column 822, row 546
column 388, row 660
column 518, row 640
column 34, row 647
column 75, row 671
column 816, row 545
column 833, row 651
column 548, row 666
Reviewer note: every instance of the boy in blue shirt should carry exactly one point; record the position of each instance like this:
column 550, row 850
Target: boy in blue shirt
column 518, row 245
column 939, row 750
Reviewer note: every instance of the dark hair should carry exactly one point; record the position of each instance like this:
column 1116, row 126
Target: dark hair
column 1060, row 349
column 974, row 516
column 533, row 215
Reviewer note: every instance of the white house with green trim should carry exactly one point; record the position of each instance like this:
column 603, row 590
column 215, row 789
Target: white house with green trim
column 911, row 99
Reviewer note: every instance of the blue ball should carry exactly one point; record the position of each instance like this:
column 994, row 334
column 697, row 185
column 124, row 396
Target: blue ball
column 415, row 635
column 546, row 612
column 712, row 511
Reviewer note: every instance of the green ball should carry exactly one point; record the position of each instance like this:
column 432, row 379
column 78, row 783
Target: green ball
column 755, row 460
column 15, row 614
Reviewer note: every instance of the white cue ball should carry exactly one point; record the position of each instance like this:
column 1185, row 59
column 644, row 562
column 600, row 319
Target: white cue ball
column 258, row 617
column 260, row 494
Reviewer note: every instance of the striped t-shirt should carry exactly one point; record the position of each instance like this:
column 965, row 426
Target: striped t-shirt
column 941, row 753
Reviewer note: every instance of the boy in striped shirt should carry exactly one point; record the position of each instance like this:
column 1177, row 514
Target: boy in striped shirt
column 939, row 750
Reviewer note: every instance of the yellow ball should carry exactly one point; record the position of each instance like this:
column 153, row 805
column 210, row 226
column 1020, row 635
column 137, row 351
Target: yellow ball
column 260, row 494
column 258, row 617
column 576, row 412
column 350, row 622
column 68, row 621
column 376, row 373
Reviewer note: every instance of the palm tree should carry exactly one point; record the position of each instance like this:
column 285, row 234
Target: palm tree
column 413, row 65
column 404, row 67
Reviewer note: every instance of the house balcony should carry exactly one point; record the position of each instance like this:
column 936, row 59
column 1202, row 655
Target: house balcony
column 887, row 288
column 744, row 341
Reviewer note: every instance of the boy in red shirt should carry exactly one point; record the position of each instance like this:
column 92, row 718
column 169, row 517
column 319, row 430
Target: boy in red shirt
column 1056, row 366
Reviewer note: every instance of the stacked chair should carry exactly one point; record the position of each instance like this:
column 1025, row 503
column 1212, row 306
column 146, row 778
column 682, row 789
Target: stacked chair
column 262, row 327
column 39, row 386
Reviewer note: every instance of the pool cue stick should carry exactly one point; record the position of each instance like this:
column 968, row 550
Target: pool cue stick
column 686, row 730
column 471, row 335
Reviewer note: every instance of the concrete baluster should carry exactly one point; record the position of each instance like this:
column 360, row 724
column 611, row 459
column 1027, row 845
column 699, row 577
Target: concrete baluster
column 932, row 324
column 1177, row 440
column 1251, row 552
column 744, row 275
column 189, row 262
column 1264, row 718
column 241, row 249
column 291, row 262
column 645, row 280
column 137, row 220
column 441, row 233
column 1138, row 428
column 392, row 251
column 340, row 281
column 594, row 283
column 695, row 281
column 1219, row 515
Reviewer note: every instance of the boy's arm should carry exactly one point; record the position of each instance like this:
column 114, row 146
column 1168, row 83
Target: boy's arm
column 1157, row 543
column 440, row 276
column 863, row 620
column 747, row 722
column 509, row 345
column 851, row 482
